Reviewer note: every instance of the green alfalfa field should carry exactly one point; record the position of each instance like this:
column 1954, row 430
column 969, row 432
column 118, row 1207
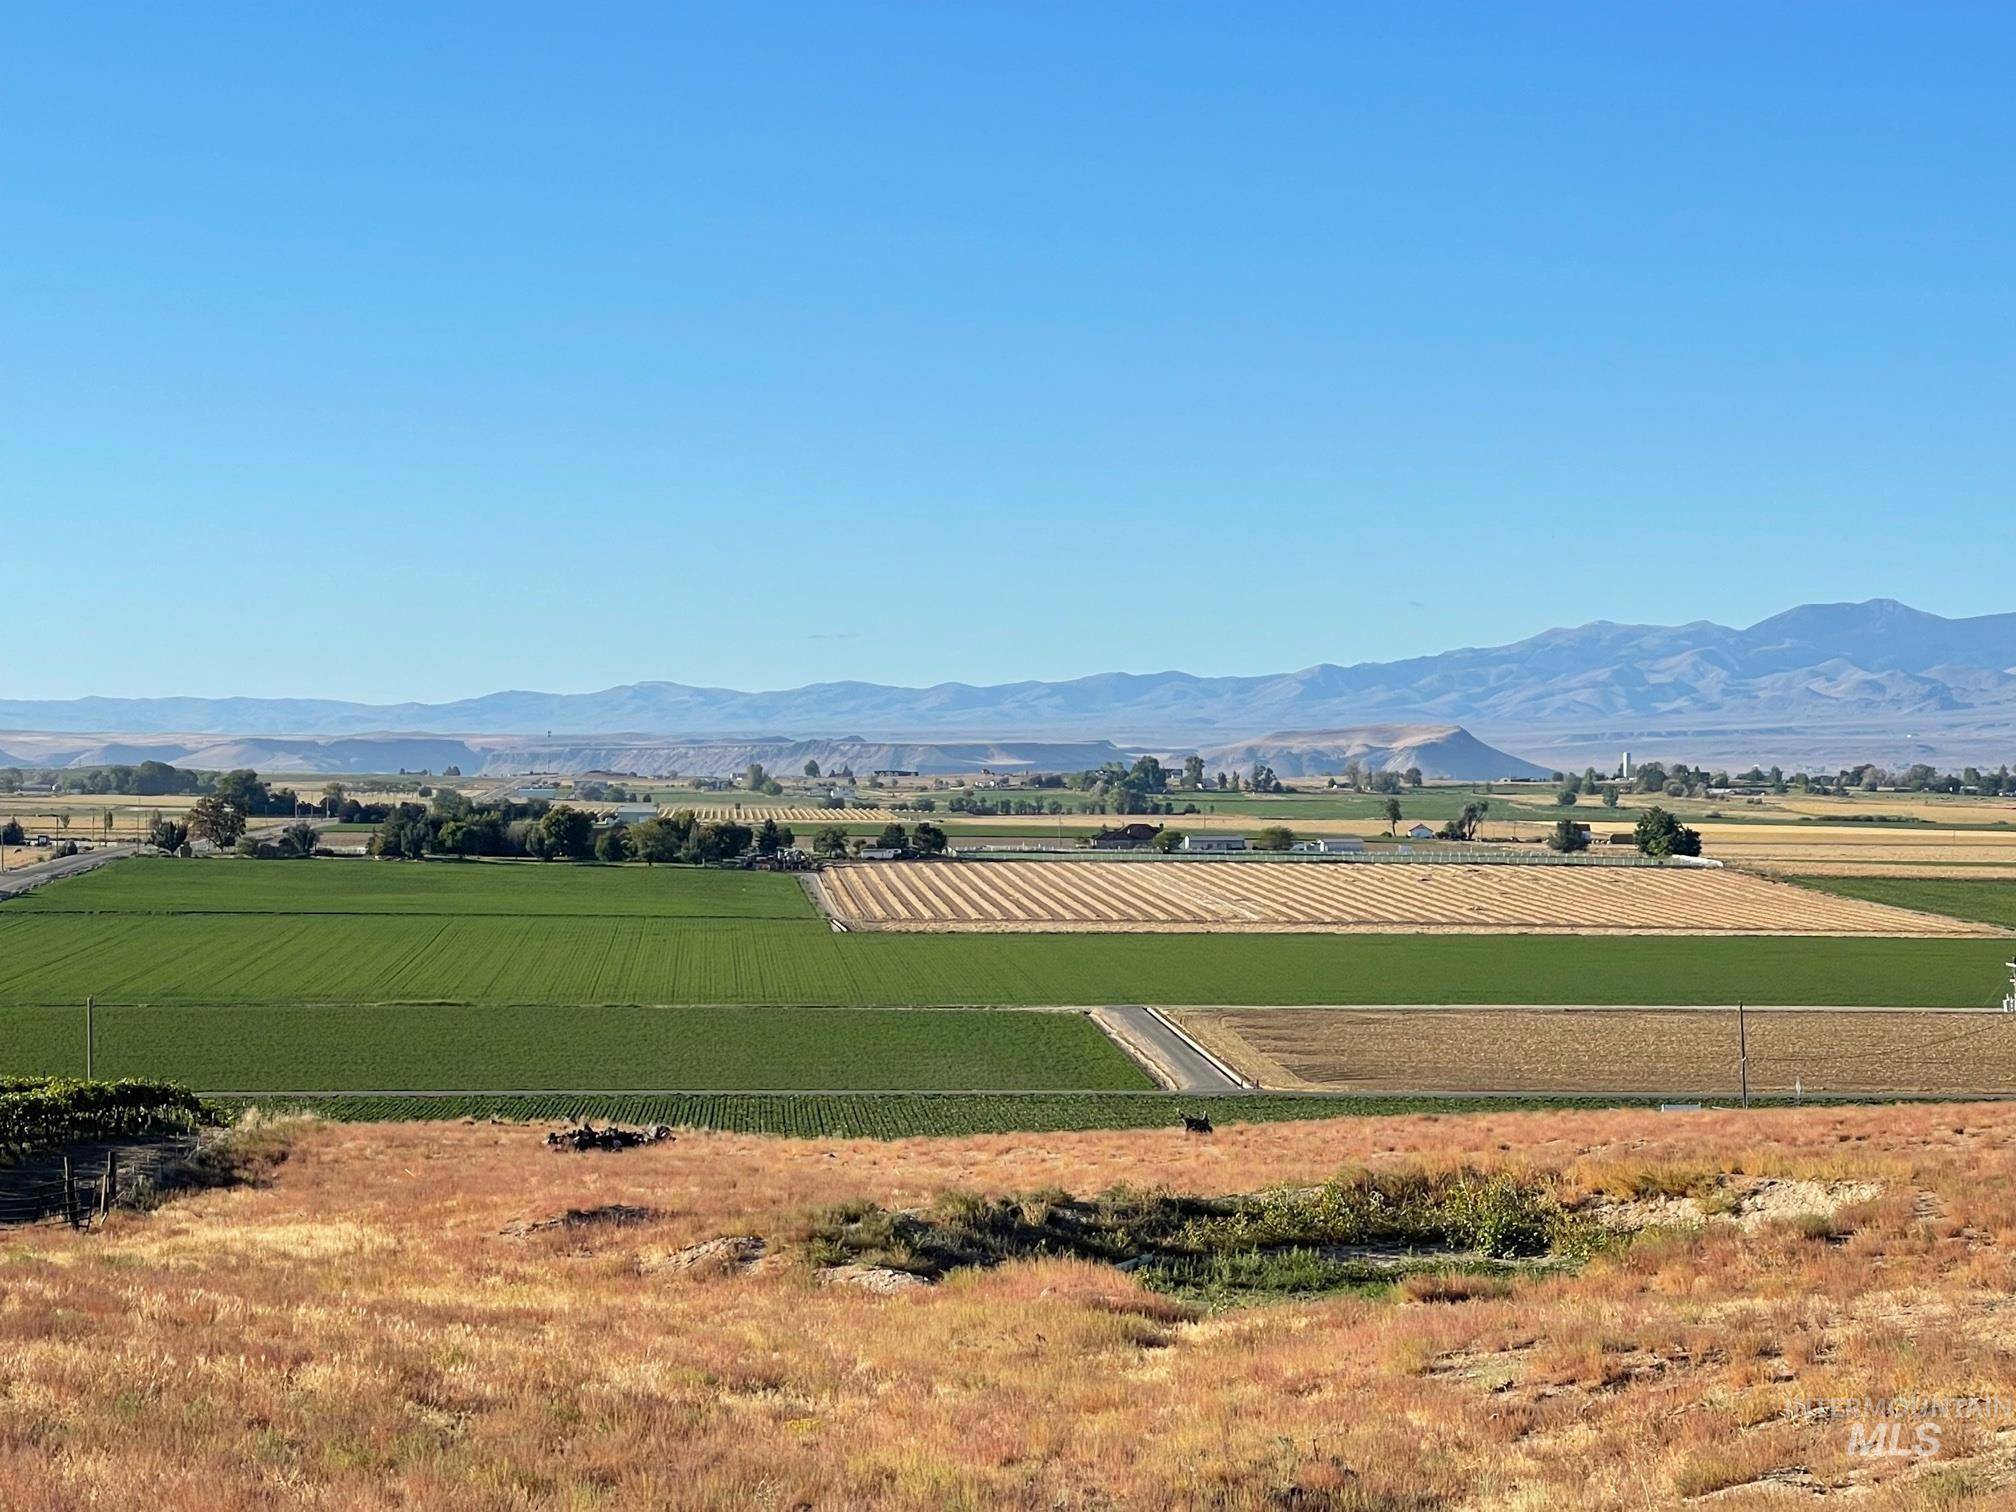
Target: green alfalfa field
column 255, row 934
column 357, row 975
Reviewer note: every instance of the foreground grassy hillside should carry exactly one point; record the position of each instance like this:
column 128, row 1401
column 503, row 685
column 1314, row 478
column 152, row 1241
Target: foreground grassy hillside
column 408, row 1315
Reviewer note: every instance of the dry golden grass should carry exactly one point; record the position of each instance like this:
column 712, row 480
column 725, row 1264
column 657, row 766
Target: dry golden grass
column 1658, row 1052
column 1343, row 897
column 360, row 1333
column 82, row 824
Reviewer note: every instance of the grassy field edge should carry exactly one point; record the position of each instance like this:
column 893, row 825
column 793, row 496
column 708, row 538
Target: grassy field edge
column 924, row 1114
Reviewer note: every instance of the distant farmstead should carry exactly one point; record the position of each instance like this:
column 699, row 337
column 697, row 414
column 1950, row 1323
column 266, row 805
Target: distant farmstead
column 1214, row 844
column 1126, row 837
column 1328, row 846
column 630, row 813
column 1419, row 831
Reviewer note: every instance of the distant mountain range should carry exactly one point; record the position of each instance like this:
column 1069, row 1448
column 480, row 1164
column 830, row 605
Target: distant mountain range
column 1821, row 683
column 1443, row 751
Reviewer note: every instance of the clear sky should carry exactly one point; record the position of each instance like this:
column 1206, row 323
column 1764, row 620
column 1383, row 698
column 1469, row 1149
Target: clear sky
column 418, row 351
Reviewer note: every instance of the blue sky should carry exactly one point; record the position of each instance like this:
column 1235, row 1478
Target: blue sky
column 389, row 351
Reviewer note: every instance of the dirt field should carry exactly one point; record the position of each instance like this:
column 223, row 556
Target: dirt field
column 83, row 824
column 1655, row 1051
column 1800, row 866
column 1243, row 896
column 1748, row 844
column 404, row 1315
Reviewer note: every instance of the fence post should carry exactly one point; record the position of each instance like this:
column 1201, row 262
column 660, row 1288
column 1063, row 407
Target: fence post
column 108, row 1185
column 69, row 1195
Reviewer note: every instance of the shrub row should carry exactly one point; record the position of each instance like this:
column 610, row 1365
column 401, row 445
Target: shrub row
column 43, row 1112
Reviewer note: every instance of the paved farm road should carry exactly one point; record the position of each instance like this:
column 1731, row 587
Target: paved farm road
column 1168, row 1054
column 20, row 879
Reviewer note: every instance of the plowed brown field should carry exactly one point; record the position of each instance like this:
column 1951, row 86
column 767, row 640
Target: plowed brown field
column 1239, row 896
column 1691, row 1052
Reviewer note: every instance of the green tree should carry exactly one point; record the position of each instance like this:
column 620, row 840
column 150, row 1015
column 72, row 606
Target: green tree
column 402, row 834
column 1565, row 797
column 657, row 840
column 11, row 833
column 1465, row 825
column 450, row 805
column 1413, row 775
column 166, row 835
column 769, row 839
column 811, row 769
column 297, row 840
column 563, row 833
column 1167, row 840
column 1275, row 837
column 1612, row 796
column 613, row 844
column 217, row 820
column 719, row 842
column 243, row 790
column 830, row 841
column 1146, row 776
column 927, row 840
column 1193, row 772
column 1393, row 816
column 1659, row 834
column 1568, row 836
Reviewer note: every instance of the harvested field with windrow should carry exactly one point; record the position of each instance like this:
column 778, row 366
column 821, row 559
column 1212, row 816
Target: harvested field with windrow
column 786, row 813
column 1647, row 1051
column 1289, row 897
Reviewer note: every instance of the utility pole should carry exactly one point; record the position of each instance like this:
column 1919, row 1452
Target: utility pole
column 1743, row 1052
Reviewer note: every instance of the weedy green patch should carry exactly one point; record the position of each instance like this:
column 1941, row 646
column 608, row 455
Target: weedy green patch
column 1363, row 1230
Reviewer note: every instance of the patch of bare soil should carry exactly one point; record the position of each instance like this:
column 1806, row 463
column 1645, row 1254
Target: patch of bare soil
column 611, row 1215
column 881, row 1280
column 728, row 1255
column 1747, row 1201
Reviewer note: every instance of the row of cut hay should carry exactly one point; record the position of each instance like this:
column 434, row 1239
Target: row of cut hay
column 784, row 813
column 1257, row 895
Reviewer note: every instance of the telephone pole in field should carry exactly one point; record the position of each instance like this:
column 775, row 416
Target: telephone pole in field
column 1743, row 1052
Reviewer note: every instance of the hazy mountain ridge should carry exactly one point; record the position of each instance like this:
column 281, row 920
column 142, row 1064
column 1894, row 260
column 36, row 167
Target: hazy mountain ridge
column 1441, row 751
column 1881, row 670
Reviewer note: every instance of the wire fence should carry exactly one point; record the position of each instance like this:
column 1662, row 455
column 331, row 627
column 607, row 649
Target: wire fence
column 80, row 1185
